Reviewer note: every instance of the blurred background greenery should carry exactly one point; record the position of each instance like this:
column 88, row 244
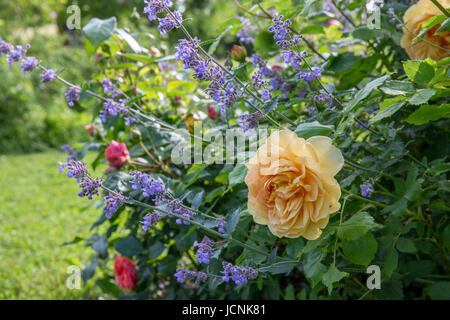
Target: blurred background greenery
column 35, row 121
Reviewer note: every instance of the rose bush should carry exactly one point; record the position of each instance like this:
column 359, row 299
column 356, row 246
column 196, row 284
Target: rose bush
column 353, row 128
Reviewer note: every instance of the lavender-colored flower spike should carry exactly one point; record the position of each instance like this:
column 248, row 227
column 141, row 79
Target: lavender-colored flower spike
column 110, row 88
column 89, row 187
column 366, row 189
column 168, row 23
column 239, row 275
column 75, row 169
column 280, row 28
column 17, row 54
column 204, row 251
column 221, row 224
column 29, row 64
column 154, row 7
column 112, row 108
column 48, row 75
column 113, row 202
column 150, row 219
column 73, row 94
column 5, row 47
column 184, row 274
column 250, row 121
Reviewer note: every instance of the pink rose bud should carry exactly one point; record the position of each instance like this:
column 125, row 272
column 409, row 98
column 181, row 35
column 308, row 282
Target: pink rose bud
column 125, row 273
column 90, row 129
column 154, row 51
column 212, row 114
column 238, row 53
column 333, row 22
column 117, row 154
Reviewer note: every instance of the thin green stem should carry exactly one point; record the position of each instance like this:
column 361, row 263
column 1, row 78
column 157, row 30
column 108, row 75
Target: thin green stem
column 440, row 7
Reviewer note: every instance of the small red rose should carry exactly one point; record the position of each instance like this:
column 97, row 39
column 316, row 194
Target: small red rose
column 125, row 273
column 238, row 53
column 90, row 129
column 212, row 114
column 117, row 154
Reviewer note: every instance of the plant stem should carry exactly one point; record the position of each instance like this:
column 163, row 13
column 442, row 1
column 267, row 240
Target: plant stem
column 440, row 7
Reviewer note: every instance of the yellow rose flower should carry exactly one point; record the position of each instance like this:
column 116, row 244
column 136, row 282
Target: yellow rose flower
column 413, row 19
column 291, row 185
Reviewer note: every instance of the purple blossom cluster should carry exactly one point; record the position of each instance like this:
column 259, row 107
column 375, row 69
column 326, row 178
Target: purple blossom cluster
column 366, row 189
column 249, row 121
column 187, row 51
column 293, row 58
column 239, row 275
column 110, row 88
column 16, row 54
column 113, row 108
column 73, row 94
column 221, row 224
column 90, row 187
column 71, row 152
column 176, row 206
column 170, row 22
column 149, row 186
column 5, row 47
column 325, row 98
column 185, row 274
column 244, row 34
column 48, row 75
column 153, row 7
column 113, row 202
column 316, row 73
column 29, row 64
column 150, row 219
column 204, row 250
column 280, row 28
column 77, row 169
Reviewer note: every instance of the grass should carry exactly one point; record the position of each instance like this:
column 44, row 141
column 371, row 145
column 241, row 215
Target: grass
column 40, row 210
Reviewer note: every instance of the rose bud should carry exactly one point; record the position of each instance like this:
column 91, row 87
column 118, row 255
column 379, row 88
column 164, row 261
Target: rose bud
column 155, row 51
column 212, row 114
column 333, row 22
column 238, row 53
column 90, row 129
column 117, row 154
column 277, row 67
column 125, row 273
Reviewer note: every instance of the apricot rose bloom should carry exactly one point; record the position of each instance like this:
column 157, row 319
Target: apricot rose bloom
column 413, row 19
column 291, row 185
column 125, row 273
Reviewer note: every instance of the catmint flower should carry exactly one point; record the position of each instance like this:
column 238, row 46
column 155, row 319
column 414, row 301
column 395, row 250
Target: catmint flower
column 239, row 275
column 244, row 34
column 221, row 224
column 257, row 61
column 48, row 75
column 280, row 28
column 250, row 121
column 5, row 47
column 266, row 95
column 168, row 23
column 155, row 6
column 366, row 189
column 112, row 108
column 184, row 274
column 204, row 251
column 325, row 97
column 113, row 202
column 110, row 88
column 17, row 54
column 291, row 42
column 258, row 82
column 293, row 58
column 175, row 206
column 129, row 121
column 29, row 64
column 72, row 153
column 73, row 94
column 312, row 111
column 89, row 187
column 75, row 169
column 150, row 187
column 150, row 219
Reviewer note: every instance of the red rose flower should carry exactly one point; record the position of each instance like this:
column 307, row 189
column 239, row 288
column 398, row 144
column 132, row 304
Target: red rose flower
column 125, row 273
column 277, row 67
column 238, row 53
column 117, row 154
column 212, row 114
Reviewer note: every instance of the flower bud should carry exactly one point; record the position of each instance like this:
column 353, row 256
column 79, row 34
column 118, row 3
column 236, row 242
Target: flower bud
column 238, row 53
column 117, row 154
column 212, row 113
column 125, row 273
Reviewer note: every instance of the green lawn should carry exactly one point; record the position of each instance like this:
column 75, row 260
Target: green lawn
column 40, row 210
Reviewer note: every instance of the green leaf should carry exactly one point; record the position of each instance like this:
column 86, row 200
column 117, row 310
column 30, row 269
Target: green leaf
column 439, row 291
column 445, row 26
column 238, row 174
column 396, row 87
column 213, row 47
column 420, row 72
column 421, row 97
column 88, row 272
column 306, row 8
column 390, row 262
column 387, row 112
column 313, row 268
column 406, row 245
column 232, row 220
column 362, row 250
column 290, row 293
column 155, row 250
column 364, row 93
column 342, row 62
column 98, row 30
column 101, row 247
column 265, row 44
column 128, row 246
column 281, row 267
column 427, row 113
column 307, row 130
column 364, row 33
column 356, row 226
column 331, row 276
